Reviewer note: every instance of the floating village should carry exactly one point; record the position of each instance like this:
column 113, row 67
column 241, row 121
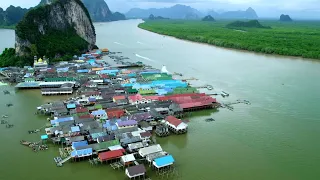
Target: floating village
column 112, row 111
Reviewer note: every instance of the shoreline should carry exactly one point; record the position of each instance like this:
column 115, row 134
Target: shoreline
column 8, row 27
column 239, row 50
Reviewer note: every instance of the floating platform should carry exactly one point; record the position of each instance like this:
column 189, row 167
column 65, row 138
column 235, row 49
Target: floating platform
column 28, row 85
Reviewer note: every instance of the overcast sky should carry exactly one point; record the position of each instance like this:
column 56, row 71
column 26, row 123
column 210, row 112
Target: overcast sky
column 264, row 8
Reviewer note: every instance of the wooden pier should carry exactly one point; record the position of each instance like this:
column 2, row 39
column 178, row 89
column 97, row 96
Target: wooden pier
column 162, row 130
column 229, row 105
column 4, row 74
column 59, row 161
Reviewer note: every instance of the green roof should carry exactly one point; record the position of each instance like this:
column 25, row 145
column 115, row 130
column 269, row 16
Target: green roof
column 131, row 90
column 157, row 76
column 59, row 79
column 98, row 106
column 147, row 91
column 29, row 80
column 184, row 90
column 106, row 145
column 81, row 114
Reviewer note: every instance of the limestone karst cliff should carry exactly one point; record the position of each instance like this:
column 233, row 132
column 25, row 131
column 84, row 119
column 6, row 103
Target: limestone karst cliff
column 60, row 28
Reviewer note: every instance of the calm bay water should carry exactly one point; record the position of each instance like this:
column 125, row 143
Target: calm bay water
column 276, row 137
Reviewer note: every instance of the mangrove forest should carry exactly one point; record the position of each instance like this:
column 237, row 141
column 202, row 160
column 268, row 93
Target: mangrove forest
column 298, row 38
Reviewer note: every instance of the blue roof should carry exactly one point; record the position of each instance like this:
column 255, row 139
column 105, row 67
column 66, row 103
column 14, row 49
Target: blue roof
column 81, row 152
column 109, row 126
column 99, row 134
column 92, row 99
column 98, row 112
column 71, row 106
column 133, row 80
column 79, row 144
column 127, row 85
column 82, row 58
column 66, row 69
column 151, row 72
column 62, row 120
column 3, row 69
column 164, row 161
column 109, row 71
column 44, row 137
column 85, row 55
column 83, row 70
column 75, row 129
column 132, row 75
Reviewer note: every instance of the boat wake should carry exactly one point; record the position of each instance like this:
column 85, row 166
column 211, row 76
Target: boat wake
column 145, row 58
column 119, row 43
column 141, row 43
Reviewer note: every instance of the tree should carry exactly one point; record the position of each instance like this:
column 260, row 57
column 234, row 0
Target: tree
column 34, row 50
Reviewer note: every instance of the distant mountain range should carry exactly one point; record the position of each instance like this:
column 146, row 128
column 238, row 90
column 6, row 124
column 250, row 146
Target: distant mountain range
column 186, row 12
column 247, row 14
column 175, row 12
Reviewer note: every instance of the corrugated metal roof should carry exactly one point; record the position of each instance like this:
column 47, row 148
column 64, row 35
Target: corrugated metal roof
column 136, row 170
column 128, row 158
column 149, row 150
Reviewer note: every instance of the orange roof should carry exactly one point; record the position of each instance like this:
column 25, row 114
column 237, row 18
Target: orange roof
column 119, row 97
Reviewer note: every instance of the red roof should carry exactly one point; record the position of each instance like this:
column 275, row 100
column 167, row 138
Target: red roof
column 86, row 116
column 115, row 110
column 190, row 100
column 115, row 113
column 145, row 134
column 119, row 97
column 104, row 156
column 173, row 120
column 81, row 110
column 155, row 98
column 164, row 98
column 136, row 97
column 104, row 76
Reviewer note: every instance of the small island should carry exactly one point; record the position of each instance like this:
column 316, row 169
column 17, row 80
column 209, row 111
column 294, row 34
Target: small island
column 248, row 24
column 285, row 18
column 208, row 18
column 152, row 17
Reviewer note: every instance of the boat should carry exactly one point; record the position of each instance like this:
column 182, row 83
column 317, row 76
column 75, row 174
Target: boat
column 9, row 125
column 26, row 143
column 9, row 104
column 4, row 122
column 209, row 87
column 224, row 94
column 3, row 84
column 164, row 69
column 5, row 116
column 209, row 120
